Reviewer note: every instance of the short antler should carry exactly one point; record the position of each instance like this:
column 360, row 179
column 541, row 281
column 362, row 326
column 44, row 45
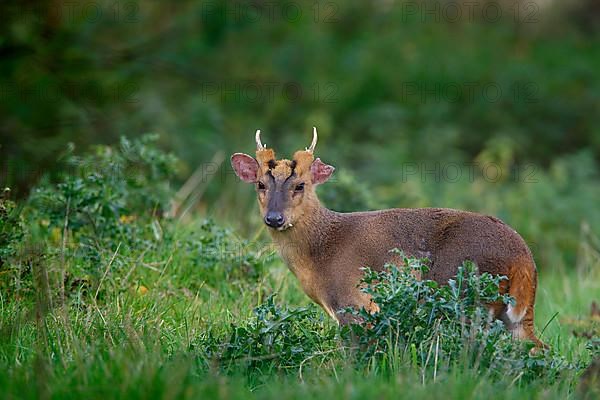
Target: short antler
column 314, row 141
column 259, row 145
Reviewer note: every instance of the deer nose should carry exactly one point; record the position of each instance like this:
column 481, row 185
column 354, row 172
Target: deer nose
column 274, row 219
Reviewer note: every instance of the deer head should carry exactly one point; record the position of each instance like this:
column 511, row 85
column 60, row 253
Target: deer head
column 285, row 188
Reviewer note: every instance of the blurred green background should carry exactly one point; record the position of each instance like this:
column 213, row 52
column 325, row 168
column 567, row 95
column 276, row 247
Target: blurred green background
column 487, row 106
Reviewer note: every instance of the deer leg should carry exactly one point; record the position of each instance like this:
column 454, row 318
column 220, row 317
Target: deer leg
column 518, row 318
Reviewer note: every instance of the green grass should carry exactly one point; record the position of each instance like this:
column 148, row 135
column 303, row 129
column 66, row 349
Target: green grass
column 144, row 346
column 562, row 296
column 124, row 303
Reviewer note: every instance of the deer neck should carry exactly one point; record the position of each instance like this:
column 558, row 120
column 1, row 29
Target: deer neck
column 302, row 245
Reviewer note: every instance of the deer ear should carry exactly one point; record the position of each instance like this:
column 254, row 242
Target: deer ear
column 320, row 172
column 245, row 167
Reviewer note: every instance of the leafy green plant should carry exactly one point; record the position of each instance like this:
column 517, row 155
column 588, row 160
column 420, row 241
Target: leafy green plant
column 12, row 229
column 273, row 338
column 429, row 328
column 109, row 196
column 215, row 254
column 440, row 327
column 106, row 208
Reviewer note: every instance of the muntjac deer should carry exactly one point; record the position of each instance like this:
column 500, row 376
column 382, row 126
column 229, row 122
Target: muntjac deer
column 326, row 249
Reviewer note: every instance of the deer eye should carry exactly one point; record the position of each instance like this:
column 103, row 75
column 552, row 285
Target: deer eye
column 299, row 187
column 261, row 186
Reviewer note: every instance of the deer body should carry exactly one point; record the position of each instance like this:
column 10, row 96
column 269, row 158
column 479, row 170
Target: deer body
column 326, row 250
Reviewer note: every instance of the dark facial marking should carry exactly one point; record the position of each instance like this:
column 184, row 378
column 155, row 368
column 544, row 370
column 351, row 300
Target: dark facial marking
column 293, row 164
column 277, row 198
column 279, row 193
column 272, row 164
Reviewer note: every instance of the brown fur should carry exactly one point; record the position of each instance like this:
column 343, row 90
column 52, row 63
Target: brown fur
column 326, row 249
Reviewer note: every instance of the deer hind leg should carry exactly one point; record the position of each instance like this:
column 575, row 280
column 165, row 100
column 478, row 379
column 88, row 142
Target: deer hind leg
column 518, row 317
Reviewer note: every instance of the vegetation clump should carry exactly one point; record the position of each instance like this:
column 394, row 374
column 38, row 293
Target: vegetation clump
column 99, row 285
column 436, row 327
column 11, row 228
column 430, row 328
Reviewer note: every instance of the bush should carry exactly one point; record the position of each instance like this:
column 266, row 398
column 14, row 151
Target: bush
column 420, row 325
column 435, row 327
column 106, row 206
column 216, row 254
column 11, row 228
column 273, row 338
column 107, row 197
column 106, row 221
